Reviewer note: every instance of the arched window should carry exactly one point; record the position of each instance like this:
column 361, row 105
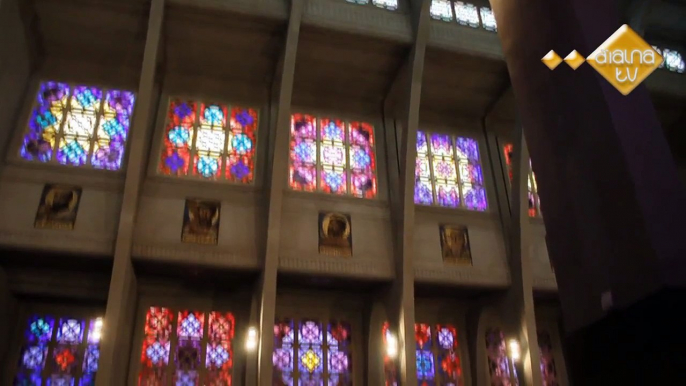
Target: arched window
column 498, row 362
column 448, row 172
column 201, row 345
column 532, row 187
column 390, row 5
column 438, row 359
column 332, row 156
column 79, row 125
column 314, row 354
column 209, row 141
column 59, row 351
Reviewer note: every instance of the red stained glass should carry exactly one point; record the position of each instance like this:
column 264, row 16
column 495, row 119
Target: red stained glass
column 362, row 160
column 241, row 145
column 178, row 138
column 532, row 196
column 219, row 359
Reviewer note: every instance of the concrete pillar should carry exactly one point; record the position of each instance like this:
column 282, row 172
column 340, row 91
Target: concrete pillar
column 121, row 301
column 517, row 305
column 401, row 310
column 279, row 176
column 615, row 211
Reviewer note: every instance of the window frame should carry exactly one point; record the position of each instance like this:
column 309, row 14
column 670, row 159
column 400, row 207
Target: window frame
column 501, row 142
column 183, row 300
column 453, row 18
column 29, row 104
column 379, row 154
column 467, row 130
column 24, row 312
column 160, row 125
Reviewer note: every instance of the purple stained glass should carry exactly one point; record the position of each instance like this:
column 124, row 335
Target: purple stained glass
column 186, row 378
column 447, row 195
column 422, row 192
column 422, row 147
column 28, row 379
column 70, row 331
column 332, row 130
column 474, row 197
column 33, row 357
column 158, row 353
column 45, row 122
column 441, row 145
column 113, row 130
column 425, row 365
column 445, row 338
column 60, row 380
column 467, row 148
column 445, row 169
column 188, row 354
column 40, row 329
column 310, row 332
column 90, row 361
column 217, row 355
column 470, row 173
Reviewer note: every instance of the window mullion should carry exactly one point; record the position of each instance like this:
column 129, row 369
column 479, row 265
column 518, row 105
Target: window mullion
column 456, row 162
column 429, row 154
column 193, row 151
column 348, row 146
column 94, row 136
column 227, row 137
column 59, row 134
column 318, row 162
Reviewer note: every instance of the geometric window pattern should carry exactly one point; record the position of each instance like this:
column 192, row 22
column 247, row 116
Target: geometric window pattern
column 448, row 172
column 438, row 361
column 532, row 187
column 464, row 14
column 673, row 61
column 209, row 141
column 390, row 5
column 548, row 370
column 332, row 156
column 389, row 364
column 313, row 354
column 79, row 125
column 498, row 362
column 59, row 351
column 199, row 353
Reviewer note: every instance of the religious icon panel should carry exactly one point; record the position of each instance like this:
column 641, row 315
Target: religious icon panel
column 335, row 234
column 58, row 207
column 201, row 221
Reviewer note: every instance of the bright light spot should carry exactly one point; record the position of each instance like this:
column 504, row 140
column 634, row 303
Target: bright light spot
column 391, row 346
column 96, row 335
column 514, row 350
column 252, row 340
column 98, row 323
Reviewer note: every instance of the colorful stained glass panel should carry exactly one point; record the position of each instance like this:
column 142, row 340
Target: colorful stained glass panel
column 498, row 362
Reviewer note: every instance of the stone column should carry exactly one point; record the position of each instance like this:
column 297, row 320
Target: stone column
column 279, row 176
column 122, row 299
column 401, row 310
column 615, row 211
column 518, row 303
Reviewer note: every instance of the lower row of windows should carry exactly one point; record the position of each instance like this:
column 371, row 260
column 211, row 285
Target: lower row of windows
column 196, row 348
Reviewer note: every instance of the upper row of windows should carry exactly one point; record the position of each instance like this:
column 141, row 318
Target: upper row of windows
column 88, row 126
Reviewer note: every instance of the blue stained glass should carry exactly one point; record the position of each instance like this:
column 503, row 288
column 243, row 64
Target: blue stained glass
column 191, row 327
column 306, row 152
column 86, row 97
column 214, row 115
column 87, row 380
column 217, row 355
column 467, row 148
column 73, row 153
column 241, row 143
column 175, row 162
column 244, row 118
column 60, row 380
column 361, row 158
column 421, row 142
column 46, row 119
column 158, row 353
column 179, row 136
column 113, row 128
column 90, row 362
column 440, row 145
column 208, row 166
column 334, row 180
column 422, row 192
column 70, row 331
column 425, row 365
column 186, row 378
column 474, row 197
column 183, row 110
column 240, row 169
column 40, row 329
column 122, row 102
column 33, row 379
column 34, row 357
column 333, row 131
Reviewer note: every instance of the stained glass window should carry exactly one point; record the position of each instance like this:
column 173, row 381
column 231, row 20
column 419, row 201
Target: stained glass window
column 438, row 359
column 448, row 172
column 488, row 19
column 332, row 156
column 312, row 354
column 209, row 141
column 466, row 14
column 498, row 362
column 59, row 351
column 532, row 187
column 79, row 125
column 389, row 364
column 548, row 369
column 673, row 61
column 174, row 346
column 390, row 5
column 441, row 10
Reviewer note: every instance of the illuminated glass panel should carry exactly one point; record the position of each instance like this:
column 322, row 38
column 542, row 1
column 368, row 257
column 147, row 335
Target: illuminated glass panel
column 59, row 351
column 673, row 61
column 488, row 19
column 390, row 5
column 79, row 126
column 441, row 10
column 361, row 2
column 548, row 369
column 180, row 357
column 209, row 141
column 498, row 362
column 532, row 187
column 332, row 156
column 438, row 359
column 312, row 354
column 389, row 364
column 448, row 172
column 466, row 14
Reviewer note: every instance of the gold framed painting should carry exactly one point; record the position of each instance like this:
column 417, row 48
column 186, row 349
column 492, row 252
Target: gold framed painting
column 58, row 207
column 455, row 244
column 201, row 221
column 335, row 234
